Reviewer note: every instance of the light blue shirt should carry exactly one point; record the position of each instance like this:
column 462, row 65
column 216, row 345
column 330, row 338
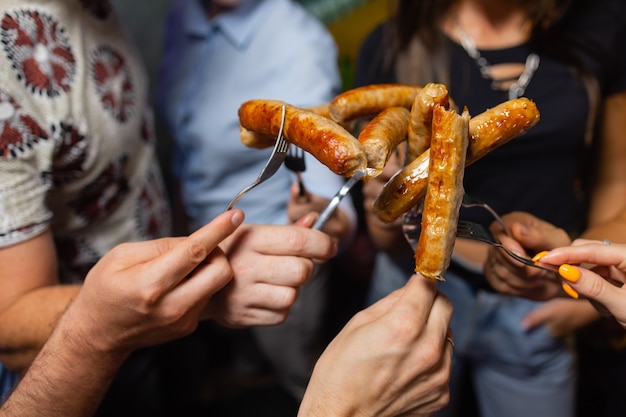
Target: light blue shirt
column 270, row 49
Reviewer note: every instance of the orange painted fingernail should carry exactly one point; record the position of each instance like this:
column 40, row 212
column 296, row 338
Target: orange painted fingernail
column 570, row 291
column 539, row 256
column 569, row 273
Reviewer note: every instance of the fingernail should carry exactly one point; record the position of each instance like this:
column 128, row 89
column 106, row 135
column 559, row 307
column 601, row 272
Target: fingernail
column 522, row 230
column 570, row 291
column 237, row 218
column 569, row 273
column 307, row 220
column 539, row 256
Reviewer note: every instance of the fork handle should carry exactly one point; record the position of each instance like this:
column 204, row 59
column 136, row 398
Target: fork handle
column 239, row 195
column 302, row 190
column 334, row 202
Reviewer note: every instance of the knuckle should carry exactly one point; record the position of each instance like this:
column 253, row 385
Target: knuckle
column 151, row 295
column 296, row 240
column 197, row 252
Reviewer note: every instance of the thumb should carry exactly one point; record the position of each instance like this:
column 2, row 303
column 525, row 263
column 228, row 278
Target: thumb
column 539, row 235
column 418, row 296
column 534, row 319
column 528, row 237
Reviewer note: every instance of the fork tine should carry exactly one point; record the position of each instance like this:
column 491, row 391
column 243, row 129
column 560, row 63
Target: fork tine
column 295, row 162
column 276, row 159
column 469, row 201
column 479, row 232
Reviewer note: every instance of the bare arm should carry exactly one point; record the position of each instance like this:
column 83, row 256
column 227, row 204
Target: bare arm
column 139, row 294
column 607, row 220
column 608, row 206
column 30, row 299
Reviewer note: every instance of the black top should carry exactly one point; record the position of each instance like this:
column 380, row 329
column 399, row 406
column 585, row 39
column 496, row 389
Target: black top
column 540, row 171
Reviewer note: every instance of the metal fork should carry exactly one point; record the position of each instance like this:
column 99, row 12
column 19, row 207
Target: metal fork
column 334, row 202
column 295, row 162
column 274, row 162
column 476, row 231
column 411, row 224
column 411, row 227
column 469, row 202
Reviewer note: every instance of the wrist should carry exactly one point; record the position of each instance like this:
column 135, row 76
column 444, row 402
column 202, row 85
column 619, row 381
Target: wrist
column 86, row 342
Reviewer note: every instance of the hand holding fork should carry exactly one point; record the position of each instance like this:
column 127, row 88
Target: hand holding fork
column 411, row 227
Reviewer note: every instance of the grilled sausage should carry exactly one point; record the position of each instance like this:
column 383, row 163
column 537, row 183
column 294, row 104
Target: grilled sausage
column 256, row 140
column 382, row 135
column 323, row 138
column 421, row 117
column 488, row 130
column 448, row 151
column 371, row 100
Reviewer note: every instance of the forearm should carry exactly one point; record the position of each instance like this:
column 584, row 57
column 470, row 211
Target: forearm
column 27, row 323
column 614, row 230
column 67, row 379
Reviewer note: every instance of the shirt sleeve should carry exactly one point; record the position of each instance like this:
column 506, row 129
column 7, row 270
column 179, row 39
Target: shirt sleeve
column 25, row 155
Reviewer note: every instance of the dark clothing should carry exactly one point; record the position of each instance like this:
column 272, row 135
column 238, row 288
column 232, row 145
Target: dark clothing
column 546, row 172
column 541, row 171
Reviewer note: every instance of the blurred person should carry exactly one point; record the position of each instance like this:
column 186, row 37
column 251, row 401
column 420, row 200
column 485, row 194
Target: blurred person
column 79, row 176
column 78, row 172
column 218, row 54
column 166, row 286
column 601, row 346
column 568, row 170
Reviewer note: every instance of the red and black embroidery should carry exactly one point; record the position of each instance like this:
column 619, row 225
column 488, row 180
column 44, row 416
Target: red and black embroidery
column 39, row 51
column 104, row 195
column 24, row 230
column 70, row 154
column 113, row 81
column 19, row 132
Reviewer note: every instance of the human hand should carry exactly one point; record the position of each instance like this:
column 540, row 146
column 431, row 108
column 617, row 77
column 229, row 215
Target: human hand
column 601, row 281
column 146, row 293
column 390, row 359
column 561, row 316
column 338, row 225
column 270, row 263
column 528, row 233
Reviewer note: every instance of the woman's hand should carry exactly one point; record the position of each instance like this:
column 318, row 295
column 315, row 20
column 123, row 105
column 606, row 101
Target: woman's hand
column 528, row 234
column 594, row 270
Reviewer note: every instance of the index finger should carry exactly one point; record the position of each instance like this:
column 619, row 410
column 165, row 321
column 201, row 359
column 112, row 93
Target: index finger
column 592, row 253
column 595, row 287
column 182, row 258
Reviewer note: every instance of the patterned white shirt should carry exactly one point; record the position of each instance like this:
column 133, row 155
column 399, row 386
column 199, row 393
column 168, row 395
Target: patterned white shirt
column 76, row 138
